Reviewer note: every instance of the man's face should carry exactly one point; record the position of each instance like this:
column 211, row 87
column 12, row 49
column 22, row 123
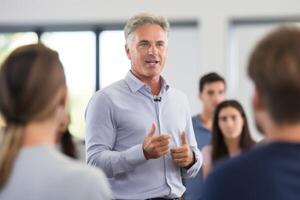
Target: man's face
column 147, row 51
column 212, row 94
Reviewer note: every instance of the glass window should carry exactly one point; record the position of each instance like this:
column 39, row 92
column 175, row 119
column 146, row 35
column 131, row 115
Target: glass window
column 114, row 63
column 10, row 41
column 77, row 53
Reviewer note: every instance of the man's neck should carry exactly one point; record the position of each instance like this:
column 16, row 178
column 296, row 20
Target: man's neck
column 155, row 85
column 153, row 82
column 284, row 133
column 206, row 119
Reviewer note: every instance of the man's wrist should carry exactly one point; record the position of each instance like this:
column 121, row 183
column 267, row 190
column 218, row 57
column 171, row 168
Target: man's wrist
column 192, row 162
column 145, row 154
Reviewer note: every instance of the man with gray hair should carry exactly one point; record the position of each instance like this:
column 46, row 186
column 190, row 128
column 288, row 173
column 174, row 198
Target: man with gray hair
column 139, row 129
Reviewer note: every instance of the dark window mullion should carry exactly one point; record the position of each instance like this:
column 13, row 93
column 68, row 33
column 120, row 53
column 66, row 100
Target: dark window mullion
column 39, row 33
column 97, row 32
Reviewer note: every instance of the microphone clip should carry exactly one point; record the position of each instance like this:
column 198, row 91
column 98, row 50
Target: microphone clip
column 157, row 98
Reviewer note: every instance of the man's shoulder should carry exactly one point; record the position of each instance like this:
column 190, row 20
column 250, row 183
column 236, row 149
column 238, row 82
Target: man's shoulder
column 195, row 117
column 254, row 174
column 251, row 165
column 196, row 121
column 246, row 159
column 111, row 90
column 237, row 176
column 116, row 86
column 177, row 93
column 260, row 155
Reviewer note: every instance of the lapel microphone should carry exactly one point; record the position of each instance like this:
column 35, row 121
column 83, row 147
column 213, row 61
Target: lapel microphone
column 157, row 99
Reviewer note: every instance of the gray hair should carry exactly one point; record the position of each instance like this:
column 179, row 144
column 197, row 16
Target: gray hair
column 142, row 19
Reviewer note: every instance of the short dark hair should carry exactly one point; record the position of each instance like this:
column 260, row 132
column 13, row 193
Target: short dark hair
column 274, row 66
column 210, row 78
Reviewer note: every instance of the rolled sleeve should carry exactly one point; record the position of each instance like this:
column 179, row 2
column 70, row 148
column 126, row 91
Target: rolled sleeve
column 194, row 169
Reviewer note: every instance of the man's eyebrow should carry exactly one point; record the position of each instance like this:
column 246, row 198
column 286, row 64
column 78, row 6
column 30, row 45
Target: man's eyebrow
column 143, row 41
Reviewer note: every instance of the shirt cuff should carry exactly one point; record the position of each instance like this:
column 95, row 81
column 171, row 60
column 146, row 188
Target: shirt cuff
column 193, row 170
column 135, row 155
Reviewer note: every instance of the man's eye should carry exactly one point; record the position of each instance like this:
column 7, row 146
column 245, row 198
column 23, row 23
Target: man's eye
column 143, row 44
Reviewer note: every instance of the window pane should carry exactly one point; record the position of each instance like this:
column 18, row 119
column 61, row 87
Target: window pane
column 183, row 60
column 114, row 63
column 77, row 53
column 10, row 41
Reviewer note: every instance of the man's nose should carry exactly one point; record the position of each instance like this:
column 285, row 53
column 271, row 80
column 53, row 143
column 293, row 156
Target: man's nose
column 152, row 49
column 218, row 99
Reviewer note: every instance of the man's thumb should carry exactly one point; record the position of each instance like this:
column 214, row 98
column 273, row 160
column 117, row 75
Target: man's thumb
column 152, row 130
column 184, row 138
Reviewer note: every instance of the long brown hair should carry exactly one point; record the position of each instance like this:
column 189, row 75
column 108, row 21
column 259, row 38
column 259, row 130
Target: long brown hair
column 30, row 80
column 219, row 148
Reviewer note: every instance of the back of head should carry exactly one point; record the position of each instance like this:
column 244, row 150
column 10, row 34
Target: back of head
column 142, row 19
column 31, row 82
column 210, row 78
column 274, row 67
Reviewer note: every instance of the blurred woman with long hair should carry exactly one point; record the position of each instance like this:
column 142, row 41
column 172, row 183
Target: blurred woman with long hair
column 33, row 95
column 230, row 134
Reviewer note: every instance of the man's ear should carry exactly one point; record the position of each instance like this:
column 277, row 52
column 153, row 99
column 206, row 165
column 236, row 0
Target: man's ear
column 257, row 101
column 200, row 96
column 261, row 114
column 127, row 51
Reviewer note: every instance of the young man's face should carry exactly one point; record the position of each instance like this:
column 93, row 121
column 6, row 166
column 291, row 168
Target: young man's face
column 147, row 51
column 212, row 94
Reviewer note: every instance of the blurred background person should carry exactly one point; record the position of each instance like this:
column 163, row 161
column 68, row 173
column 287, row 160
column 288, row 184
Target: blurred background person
column 212, row 88
column 230, row 134
column 33, row 95
column 271, row 170
column 67, row 143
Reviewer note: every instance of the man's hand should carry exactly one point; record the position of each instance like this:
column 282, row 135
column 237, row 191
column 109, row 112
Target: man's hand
column 155, row 146
column 183, row 156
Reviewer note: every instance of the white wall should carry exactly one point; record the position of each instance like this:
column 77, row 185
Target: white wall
column 213, row 16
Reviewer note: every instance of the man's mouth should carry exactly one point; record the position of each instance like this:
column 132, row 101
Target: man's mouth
column 152, row 61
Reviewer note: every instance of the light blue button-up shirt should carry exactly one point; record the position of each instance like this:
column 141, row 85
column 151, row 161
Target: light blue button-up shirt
column 118, row 118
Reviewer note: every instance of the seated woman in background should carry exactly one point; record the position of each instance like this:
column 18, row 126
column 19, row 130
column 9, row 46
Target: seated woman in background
column 33, row 95
column 68, row 144
column 230, row 134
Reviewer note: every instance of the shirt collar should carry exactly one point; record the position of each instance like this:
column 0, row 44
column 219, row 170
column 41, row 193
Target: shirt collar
column 135, row 84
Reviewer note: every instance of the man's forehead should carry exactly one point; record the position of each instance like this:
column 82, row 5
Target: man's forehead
column 214, row 85
column 150, row 30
